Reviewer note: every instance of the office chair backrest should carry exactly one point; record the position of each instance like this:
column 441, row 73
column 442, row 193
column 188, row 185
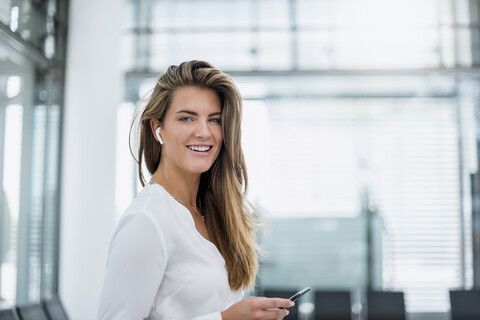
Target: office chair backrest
column 465, row 304
column 383, row 305
column 333, row 305
column 8, row 314
column 285, row 294
column 32, row 312
column 54, row 309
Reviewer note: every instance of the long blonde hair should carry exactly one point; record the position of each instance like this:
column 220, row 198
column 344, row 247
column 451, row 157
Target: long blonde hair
column 231, row 222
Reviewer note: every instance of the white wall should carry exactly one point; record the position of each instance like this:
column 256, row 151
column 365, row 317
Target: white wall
column 94, row 89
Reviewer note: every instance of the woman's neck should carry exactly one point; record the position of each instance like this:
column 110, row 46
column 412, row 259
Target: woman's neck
column 182, row 186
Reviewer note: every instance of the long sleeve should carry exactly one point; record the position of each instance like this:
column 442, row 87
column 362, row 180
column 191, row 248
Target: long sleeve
column 160, row 267
column 212, row 316
column 135, row 268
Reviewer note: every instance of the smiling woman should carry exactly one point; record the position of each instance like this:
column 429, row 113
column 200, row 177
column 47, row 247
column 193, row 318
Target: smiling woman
column 191, row 132
column 185, row 248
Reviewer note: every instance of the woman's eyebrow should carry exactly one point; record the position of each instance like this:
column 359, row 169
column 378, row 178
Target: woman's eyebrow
column 193, row 113
column 187, row 111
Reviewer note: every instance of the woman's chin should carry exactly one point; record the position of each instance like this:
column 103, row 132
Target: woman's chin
column 200, row 169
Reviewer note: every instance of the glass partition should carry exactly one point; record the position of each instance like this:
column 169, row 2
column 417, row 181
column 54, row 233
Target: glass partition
column 31, row 94
column 360, row 133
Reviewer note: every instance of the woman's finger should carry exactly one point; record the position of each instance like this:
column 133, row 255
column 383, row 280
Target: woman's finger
column 274, row 314
column 275, row 303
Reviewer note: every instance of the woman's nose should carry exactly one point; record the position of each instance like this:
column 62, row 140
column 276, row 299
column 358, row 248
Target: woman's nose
column 203, row 130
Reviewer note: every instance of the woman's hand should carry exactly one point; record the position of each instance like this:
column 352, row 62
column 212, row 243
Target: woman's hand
column 256, row 308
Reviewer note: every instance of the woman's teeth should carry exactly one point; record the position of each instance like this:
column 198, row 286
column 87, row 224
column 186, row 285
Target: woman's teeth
column 198, row 148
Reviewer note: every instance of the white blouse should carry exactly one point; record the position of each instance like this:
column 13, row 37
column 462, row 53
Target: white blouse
column 160, row 267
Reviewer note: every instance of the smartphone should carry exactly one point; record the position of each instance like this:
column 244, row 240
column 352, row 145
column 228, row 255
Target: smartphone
column 300, row 293
column 297, row 295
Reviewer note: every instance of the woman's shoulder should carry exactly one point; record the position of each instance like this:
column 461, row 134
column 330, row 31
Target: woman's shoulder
column 150, row 207
column 152, row 201
column 144, row 199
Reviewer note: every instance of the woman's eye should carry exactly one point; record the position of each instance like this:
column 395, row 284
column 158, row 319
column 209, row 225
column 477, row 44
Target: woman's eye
column 185, row 119
column 216, row 120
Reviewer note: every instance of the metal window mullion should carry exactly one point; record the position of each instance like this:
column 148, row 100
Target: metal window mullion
column 475, row 178
column 458, row 115
column 143, row 38
column 441, row 62
column 293, row 34
column 254, row 31
column 474, row 10
column 148, row 40
column 455, row 32
column 23, row 250
column 44, row 185
column 59, row 80
column 50, row 207
column 3, row 108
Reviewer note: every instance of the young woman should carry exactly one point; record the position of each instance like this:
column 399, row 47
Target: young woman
column 185, row 248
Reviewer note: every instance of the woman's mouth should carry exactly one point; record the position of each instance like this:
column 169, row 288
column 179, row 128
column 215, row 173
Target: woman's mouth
column 199, row 148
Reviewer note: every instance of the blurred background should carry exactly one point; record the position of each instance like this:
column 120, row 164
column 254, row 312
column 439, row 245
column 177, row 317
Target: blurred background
column 360, row 131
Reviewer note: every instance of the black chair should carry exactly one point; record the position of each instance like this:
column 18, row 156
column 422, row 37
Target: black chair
column 285, row 294
column 54, row 309
column 333, row 305
column 32, row 312
column 465, row 304
column 8, row 314
column 383, row 305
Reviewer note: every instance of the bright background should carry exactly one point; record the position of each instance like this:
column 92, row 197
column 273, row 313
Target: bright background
column 360, row 135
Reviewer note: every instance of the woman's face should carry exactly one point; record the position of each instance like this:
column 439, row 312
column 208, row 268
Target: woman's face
column 192, row 130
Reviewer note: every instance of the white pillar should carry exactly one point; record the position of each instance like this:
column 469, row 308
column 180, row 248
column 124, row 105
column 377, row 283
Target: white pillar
column 93, row 91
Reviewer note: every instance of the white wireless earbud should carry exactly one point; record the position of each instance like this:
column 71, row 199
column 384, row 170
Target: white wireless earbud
column 157, row 132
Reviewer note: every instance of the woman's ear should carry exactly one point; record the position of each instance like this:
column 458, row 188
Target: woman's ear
column 155, row 127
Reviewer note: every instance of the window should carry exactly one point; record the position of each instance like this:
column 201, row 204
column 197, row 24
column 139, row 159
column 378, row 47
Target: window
column 32, row 35
column 356, row 139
